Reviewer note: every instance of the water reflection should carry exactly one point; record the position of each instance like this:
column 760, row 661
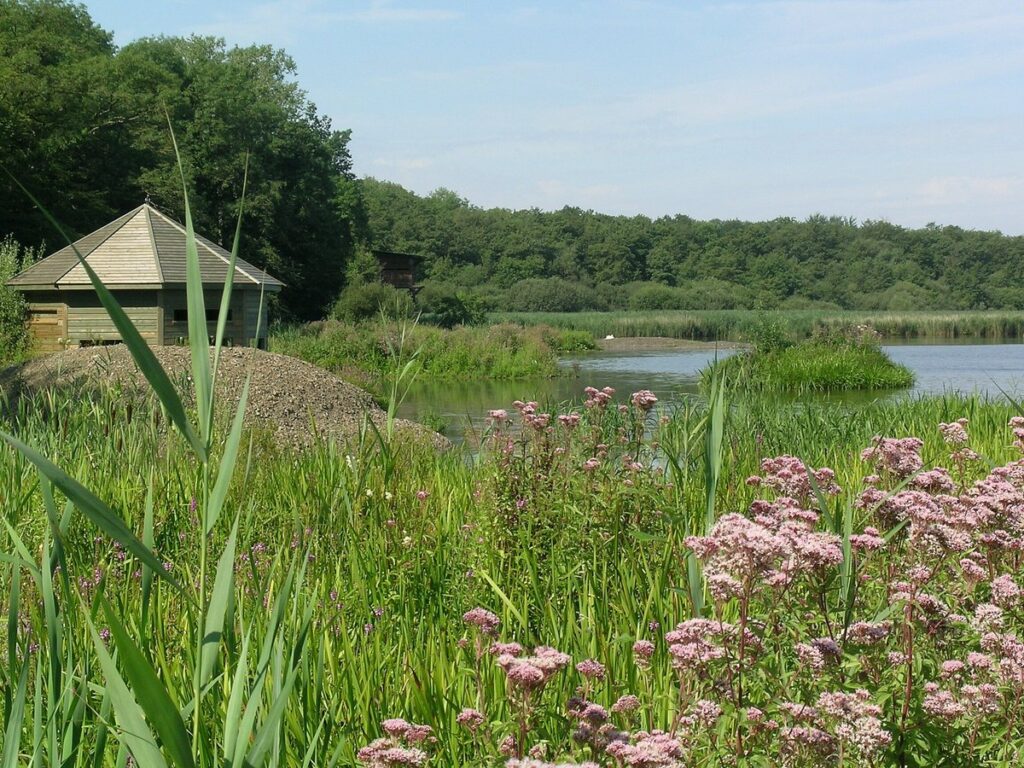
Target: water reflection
column 940, row 367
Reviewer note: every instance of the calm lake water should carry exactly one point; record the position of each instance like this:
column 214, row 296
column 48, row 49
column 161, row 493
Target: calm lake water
column 970, row 366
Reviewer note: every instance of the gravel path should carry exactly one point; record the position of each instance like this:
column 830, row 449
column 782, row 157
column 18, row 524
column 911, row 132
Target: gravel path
column 286, row 394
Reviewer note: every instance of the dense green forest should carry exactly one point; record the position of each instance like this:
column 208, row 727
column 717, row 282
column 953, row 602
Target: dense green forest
column 83, row 124
column 572, row 260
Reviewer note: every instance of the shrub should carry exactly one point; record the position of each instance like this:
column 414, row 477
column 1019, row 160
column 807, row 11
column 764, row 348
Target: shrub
column 364, row 301
column 443, row 306
column 655, row 296
column 14, row 339
column 552, row 294
column 715, row 294
column 831, row 361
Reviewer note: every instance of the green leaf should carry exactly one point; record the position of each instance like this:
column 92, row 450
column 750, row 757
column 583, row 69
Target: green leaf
column 151, row 693
column 233, row 715
column 96, row 510
column 265, row 736
column 198, row 333
column 213, row 628
column 12, row 736
column 228, row 460
column 149, row 540
column 135, row 734
column 225, row 299
column 504, row 599
column 14, row 604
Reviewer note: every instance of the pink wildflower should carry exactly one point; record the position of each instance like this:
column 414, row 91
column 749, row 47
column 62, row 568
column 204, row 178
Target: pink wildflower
column 483, row 619
column 626, row 703
column 470, row 718
column 644, row 400
column 591, row 669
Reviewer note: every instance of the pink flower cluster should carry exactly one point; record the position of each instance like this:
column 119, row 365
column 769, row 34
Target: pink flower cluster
column 697, row 643
column 530, row 673
column 654, row 749
column 530, row 416
column 898, row 456
column 644, row 400
column 483, row 620
column 399, row 747
column 742, row 556
column 598, row 398
column 789, row 476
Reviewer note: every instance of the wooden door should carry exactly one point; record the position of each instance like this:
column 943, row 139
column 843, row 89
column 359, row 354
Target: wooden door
column 47, row 326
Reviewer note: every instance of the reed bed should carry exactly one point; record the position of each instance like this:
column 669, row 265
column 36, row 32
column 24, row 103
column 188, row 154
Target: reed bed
column 738, row 325
column 359, row 563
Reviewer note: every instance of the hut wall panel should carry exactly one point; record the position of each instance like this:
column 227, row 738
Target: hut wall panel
column 47, row 322
column 88, row 321
column 255, row 316
column 178, row 330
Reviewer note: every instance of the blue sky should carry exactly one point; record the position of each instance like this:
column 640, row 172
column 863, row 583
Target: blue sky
column 906, row 110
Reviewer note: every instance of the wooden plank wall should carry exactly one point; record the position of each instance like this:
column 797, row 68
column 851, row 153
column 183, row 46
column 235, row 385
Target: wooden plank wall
column 172, row 301
column 88, row 322
column 47, row 323
column 253, row 313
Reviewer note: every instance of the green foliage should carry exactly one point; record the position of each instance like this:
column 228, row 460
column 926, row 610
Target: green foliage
column 365, row 301
column 585, row 564
column 14, row 340
column 362, row 268
column 829, row 361
column 447, row 308
column 823, row 262
column 652, row 296
column 738, row 325
column 769, row 334
column 552, row 294
column 360, row 352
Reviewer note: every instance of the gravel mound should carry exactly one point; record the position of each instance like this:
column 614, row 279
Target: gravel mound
column 287, row 395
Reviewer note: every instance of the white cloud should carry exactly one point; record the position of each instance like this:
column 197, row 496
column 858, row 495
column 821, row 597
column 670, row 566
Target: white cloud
column 283, row 21
column 964, row 190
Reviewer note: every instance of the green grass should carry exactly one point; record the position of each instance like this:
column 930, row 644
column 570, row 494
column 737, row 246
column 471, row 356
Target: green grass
column 812, row 366
column 585, row 564
column 364, row 352
column 736, row 325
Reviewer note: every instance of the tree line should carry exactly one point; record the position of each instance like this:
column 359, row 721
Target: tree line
column 573, row 259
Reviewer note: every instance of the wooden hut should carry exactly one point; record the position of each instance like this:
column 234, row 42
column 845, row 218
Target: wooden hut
column 398, row 269
column 140, row 257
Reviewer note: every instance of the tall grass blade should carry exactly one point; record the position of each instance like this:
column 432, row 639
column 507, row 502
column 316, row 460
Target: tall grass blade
column 135, row 734
column 714, row 437
column 198, row 333
column 13, row 607
column 227, row 462
column 149, row 540
column 15, row 720
column 233, row 713
column 225, row 299
column 151, row 694
column 268, row 731
column 223, row 586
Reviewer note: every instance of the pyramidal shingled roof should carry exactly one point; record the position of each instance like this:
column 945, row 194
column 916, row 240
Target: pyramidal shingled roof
column 144, row 248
